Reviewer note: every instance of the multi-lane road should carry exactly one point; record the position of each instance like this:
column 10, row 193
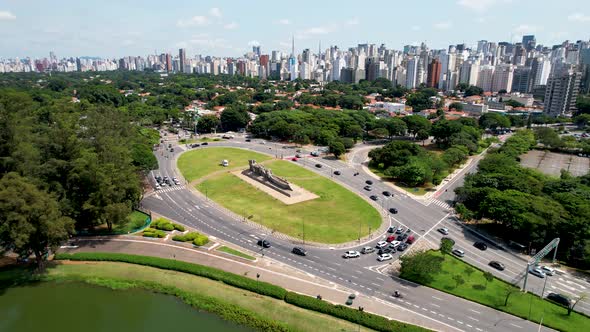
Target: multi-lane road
column 365, row 275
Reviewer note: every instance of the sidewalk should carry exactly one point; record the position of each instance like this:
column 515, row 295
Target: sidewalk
column 269, row 270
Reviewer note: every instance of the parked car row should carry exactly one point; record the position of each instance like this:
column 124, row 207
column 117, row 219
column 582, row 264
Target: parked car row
column 165, row 181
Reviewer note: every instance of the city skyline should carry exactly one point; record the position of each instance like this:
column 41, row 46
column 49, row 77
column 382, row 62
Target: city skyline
column 221, row 28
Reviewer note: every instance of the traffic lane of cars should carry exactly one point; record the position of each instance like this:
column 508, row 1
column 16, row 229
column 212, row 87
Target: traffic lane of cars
column 514, row 270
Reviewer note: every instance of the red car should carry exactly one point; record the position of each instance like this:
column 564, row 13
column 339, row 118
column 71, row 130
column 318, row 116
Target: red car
column 410, row 239
column 294, row 159
column 390, row 238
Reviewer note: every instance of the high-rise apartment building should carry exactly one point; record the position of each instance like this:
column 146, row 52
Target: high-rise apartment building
column 485, row 77
column 521, row 79
column 182, row 59
column 434, row 70
column 503, row 78
column 562, row 91
column 411, row 72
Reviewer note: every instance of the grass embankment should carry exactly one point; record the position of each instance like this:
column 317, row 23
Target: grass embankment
column 493, row 294
column 335, row 217
column 197, row 163
column 274, row 305
column 234, row 252
column 135, row 221
column 419, row 191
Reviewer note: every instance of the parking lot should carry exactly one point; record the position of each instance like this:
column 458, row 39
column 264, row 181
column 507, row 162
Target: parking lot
column 552, row 163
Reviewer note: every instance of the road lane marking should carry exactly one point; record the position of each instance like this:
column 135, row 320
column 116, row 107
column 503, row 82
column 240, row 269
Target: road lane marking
column 437, row 298
column 436, row 305
column 474, row 319
column 375, row 284
column 477, row 312
column 520, row 327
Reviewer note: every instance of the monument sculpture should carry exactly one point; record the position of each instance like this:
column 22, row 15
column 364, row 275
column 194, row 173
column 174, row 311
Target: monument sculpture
column 266, row 174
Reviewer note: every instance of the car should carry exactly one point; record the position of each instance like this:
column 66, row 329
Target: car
column 337, row 172
column 381, row 244
column 368, row 188
column 411, row 239
column 367, row 250
column 369, row 182
column 399, row 230
column 547, row 270
column 393, row 210
column 298, row 155
column 248, row 140
column 171, row 149
column 195, row 145
column 299, row 251
column 480, row 245
column 394, row 244
column 169, row 146
column 385, row 251
column 263, row 243
column 402, row 237
column 458, row 252
column 560, row 299
column 374, row 198
column 444, row 231
column 402, row 247
column 351, row 254
column 536, row 271
column 391, row 229
column 497, row 265
column 384, row 257
column 449, row 239
column 318, row 165
column 386, row 193
column 204, row 143
column 158, row 187
column 390, row 238
column 293, row 159
column 315, row 154
column 262, row 142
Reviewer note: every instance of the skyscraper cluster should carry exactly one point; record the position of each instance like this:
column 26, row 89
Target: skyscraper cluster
column 556, row 74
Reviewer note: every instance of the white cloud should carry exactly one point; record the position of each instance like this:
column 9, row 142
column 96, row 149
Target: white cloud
column 208, row 43
column 6, row 16
column 253, row 43
column 525, row 28
column 198, row 20
column 353, row 21
column 231, row 26
column 416, row 27
column 443, row 25
column 284, row 21
column 314, row 31
column 480, row 5
column 215, row 12
column 579, row 17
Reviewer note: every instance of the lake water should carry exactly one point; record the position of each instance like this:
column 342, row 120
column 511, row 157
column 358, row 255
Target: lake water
column 61, row 307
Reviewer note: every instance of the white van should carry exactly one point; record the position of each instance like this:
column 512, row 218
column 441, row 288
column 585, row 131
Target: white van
column 224, row 163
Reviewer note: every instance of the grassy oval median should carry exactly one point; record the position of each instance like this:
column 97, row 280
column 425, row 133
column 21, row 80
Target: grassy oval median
column 337, row 216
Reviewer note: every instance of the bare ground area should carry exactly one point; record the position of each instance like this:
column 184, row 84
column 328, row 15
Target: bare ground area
column 552, row 163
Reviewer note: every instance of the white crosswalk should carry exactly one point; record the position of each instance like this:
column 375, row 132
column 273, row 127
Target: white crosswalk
column 169, row 189
column 442, row 204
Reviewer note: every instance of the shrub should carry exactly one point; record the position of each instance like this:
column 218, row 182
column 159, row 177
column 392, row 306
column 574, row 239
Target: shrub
column 369, row 320
column 192, row 237
column 201, row 240
column 178, row 227
column 163, row 224
column 152, row 232
column 231, row 279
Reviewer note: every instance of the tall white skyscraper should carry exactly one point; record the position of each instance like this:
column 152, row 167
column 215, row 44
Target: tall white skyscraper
column 412, row 72
column 503, row 77
column 485, row 78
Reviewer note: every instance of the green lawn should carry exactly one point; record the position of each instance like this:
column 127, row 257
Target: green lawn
column 198, row 163
column 419, row 191
column 495, row 293
column 296, row 318
column 336, row 216
column 234, row 252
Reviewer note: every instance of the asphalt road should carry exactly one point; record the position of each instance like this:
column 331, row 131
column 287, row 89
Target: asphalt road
column 363, row 274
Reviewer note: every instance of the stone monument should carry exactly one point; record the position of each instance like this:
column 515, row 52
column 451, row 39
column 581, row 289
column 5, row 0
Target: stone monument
column 267, row 176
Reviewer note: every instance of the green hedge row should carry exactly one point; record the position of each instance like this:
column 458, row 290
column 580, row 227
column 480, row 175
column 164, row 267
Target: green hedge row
column 197, row 239
column 352, row 315
column 259, row 287
column 166, row 225
column 152, row 232
column 356, row 316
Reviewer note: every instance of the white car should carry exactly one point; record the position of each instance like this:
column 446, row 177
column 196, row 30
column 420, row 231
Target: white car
column 444, row 231
column 394, row 244
column 384, row 257
column 382, row 244
column 536, row 271
column 547, row 270
column 158, row 187
column 351, row 254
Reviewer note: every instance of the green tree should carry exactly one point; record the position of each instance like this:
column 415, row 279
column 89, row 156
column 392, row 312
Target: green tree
column 493, row 120
column 488, row 276
column 548, row 137
column 396, row 127
column 31, row 219
column 473, row 90
column 233, row 118
column 207, row 123
column 582, row 120
column 446, row 246
column 422, row 135
column 337, row 148
column 456, row 105
column 583, row 104
column 420, row 266
column 416, row 123
column 458, row 280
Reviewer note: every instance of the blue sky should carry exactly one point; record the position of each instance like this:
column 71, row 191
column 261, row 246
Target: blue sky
column 112, row 28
